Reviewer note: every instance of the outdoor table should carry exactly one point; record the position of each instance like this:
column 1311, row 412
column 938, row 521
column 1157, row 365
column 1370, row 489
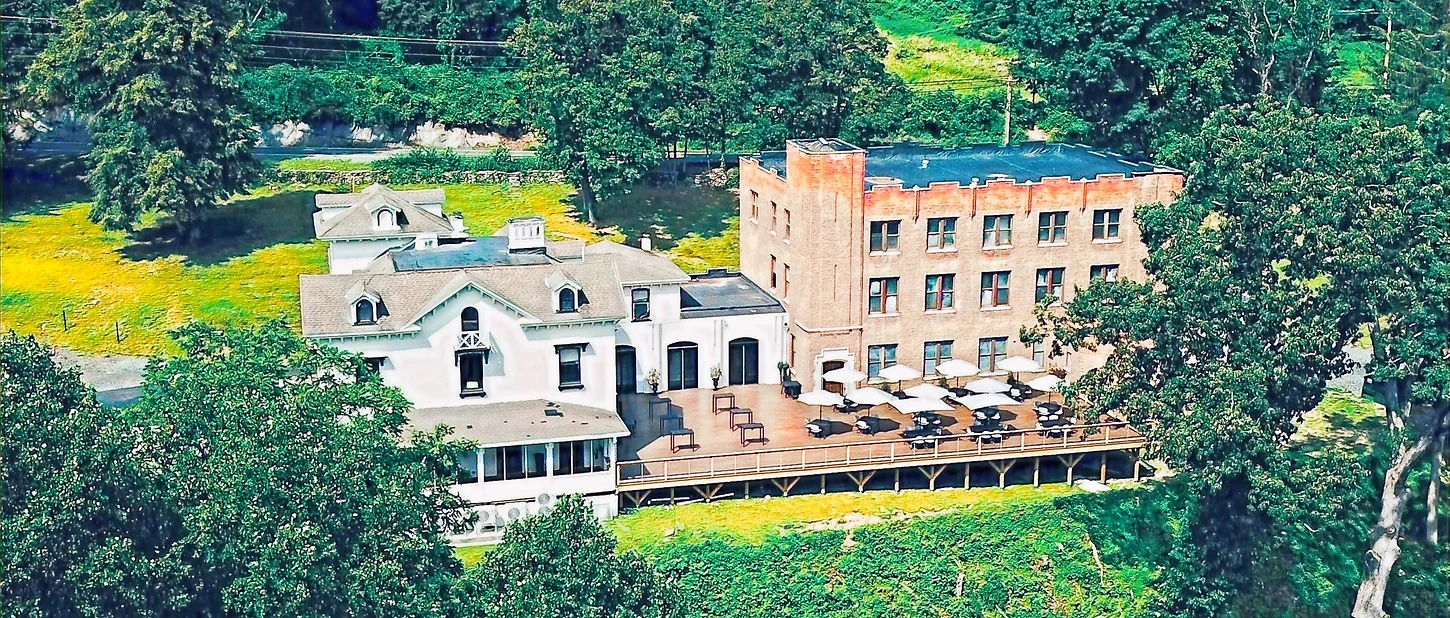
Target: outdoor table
column 868, row 425
column 658, row 402
column 816, row 428
column 676, row 434
column 748, row 427
column 746, row 412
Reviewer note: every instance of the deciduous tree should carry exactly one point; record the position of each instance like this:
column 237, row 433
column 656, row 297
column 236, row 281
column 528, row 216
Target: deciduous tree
column 159, row 78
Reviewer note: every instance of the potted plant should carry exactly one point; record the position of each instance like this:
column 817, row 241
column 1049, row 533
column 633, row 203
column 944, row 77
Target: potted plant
column 653, row 380
column 715, row 373
column 784, row 369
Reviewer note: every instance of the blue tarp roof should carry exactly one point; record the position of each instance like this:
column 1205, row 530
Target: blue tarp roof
column 486, row 251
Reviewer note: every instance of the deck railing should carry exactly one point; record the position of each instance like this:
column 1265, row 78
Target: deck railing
column 809, row 458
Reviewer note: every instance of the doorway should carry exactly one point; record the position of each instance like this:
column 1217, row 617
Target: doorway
column 744, row 361
column 625, row 370
column 684, row 366
column 835, row 387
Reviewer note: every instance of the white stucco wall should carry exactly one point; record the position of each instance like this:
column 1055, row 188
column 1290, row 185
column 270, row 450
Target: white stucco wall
column 523, row 364
column 347, row 256
column 652, row 338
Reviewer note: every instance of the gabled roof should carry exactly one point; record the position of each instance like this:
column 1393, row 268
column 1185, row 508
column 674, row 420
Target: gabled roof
column 338, row 200
column 410, row 296
column 637, row 266
column 357, row 220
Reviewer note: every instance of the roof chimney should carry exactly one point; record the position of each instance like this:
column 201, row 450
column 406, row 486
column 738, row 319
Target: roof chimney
column 526, row 233
column 923, row 163
column 644, row 242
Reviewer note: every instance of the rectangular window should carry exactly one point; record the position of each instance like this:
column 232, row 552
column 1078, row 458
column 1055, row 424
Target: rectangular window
column 940, row 292
column 996, row 231
column 581, row 456
column 1052, row 227
column 467, row 467
column 470, row 373
column 785, row 275
column 884, row 235
column 1105, row 223
column 879, row 357
column 1105, row 272
column 1049, row 283
column 882, row 294
column 639, row 299
column 570, row 375
column 937, row 352
column 989, row 351
column 995, row 291
column 787, row 224
column 1039, row 353
column 774, row 216
column 772, row 272
column 941, row 233
column 375, row 364
column 754, row 205
column 509, row 463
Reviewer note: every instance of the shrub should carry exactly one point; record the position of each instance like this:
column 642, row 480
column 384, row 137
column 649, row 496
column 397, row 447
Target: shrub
column 426, row 165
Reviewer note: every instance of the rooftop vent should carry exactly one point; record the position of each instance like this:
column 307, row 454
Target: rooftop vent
column 923, row 163
column 552, row 409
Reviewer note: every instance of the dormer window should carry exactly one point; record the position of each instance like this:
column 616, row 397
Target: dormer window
column 365, row 311
column 385, row 219
column 568, row 301
column 470, row 320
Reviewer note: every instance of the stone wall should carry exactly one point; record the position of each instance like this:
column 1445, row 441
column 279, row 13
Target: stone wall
column 363, row 178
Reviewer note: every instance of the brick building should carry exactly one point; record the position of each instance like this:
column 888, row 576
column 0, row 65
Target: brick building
column 918, row 254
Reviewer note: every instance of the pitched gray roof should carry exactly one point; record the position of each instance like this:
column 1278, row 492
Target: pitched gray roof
column 357, row 220
column 420, row 196
column 516, row 422
column 637, row 266
column 407, row 296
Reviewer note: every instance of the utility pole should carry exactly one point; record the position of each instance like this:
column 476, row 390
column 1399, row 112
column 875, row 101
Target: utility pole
column 1007, row 115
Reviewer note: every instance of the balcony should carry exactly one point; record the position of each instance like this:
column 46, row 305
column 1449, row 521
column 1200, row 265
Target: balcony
column 471, row 341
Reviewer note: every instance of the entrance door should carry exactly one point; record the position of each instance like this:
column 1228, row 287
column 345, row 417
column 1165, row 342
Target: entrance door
column 684, row 366
column 744, row 361
column 624, row 370
column 834, row 387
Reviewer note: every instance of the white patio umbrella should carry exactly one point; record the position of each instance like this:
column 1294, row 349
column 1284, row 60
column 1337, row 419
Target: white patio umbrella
column 913, row 405
column 870, row 396
column 820, row 398
column 988, row 385
column 956, row 368
column 928, row 390
column 1048, row 384
column 843, row 375
column 898, row 372
column 1018, row 364
column 989, row 400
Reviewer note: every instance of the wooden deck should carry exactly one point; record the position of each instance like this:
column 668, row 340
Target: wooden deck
column 647, row 461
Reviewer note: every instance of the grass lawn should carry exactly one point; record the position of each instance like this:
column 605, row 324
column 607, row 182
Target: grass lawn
column 303, row 164
column 56, row 260
column 921, row 58
column 753, row 521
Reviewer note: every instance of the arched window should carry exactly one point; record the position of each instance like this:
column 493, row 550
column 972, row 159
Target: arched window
column 568, row 302
column 366, row 311
column 470, row 320
column 385, row 218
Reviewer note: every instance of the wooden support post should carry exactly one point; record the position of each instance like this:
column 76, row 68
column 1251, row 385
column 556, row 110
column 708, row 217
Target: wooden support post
column 1070, row 462
column 932, row 473
column 708, row 492
column 747, row 489
column 861, row 478
column 896, row 484
column 823, row 484
column 1103, row 471
column 1002, row 469
column 672, row 496
column 1137, row 465
column 785, row 485
column 1036, row 471
column 967, row 476
column 638, row 497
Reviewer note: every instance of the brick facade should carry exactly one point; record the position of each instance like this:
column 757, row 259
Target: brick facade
column 814, row 228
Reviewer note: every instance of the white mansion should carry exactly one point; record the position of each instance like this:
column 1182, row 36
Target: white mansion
column 521, row 343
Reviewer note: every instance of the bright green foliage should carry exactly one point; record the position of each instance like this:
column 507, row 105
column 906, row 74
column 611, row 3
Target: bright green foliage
column 430, row 164
column 1076, row 556
column 379, row 89
column 1136, row 71
column 599, row 75
column 450, row 19
column 564, row 564
column 85, row 529
column 284, row 464
column 159, row 76
column 1259, row 273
